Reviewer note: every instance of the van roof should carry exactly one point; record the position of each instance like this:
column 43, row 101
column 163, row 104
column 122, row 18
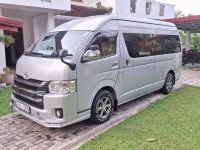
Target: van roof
column 95, row 22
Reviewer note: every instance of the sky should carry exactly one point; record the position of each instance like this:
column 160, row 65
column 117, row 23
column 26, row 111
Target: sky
column 187, row 6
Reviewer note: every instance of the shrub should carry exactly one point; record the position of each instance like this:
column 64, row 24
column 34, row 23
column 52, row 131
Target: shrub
column 7, row 40
column 7, row 70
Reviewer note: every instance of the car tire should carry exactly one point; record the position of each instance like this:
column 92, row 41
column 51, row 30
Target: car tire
column 102, row 107
column 169, row 82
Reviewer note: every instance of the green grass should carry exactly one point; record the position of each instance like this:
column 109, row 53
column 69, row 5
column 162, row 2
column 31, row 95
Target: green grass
column 172, row 123
column 5, row 102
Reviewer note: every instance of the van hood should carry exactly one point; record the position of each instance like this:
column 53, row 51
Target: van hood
column 44, row 69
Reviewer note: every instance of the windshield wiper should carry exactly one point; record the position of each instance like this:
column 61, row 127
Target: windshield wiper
column 39, row 54
column 48, row 56
column 27, row 53
column 33, row 53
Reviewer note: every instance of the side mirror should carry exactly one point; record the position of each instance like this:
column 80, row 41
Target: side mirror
column 93, row 53
column 63, row 53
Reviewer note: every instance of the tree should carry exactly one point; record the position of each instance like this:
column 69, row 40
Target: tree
column 183, row 38
column 104, row 8
column 195, row 41
column 179, row 14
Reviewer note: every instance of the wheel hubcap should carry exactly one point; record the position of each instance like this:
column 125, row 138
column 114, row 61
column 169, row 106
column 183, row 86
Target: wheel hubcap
column 170, row 83
column 103, row 108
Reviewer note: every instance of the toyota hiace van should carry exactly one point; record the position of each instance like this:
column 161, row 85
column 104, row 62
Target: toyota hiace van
column 87, row 67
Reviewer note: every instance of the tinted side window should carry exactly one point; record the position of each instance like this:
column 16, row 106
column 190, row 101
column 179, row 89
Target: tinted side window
column 143, row 45
column 166, row 44
column 138, row 45
column 107, row 45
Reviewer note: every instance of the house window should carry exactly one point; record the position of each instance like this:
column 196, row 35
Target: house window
column 98, row 4
column 148, row 8
column 162, row 10
column 133, row 6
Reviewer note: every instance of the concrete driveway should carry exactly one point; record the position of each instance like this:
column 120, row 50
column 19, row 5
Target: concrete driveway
column 18, row 132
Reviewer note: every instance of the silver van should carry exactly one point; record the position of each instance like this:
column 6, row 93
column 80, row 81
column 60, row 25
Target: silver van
column 86, row 68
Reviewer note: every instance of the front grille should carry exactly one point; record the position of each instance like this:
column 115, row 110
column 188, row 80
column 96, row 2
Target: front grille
column 30, row 91
column 28, row 101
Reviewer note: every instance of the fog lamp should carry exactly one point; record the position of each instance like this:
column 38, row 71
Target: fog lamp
column 59, row 112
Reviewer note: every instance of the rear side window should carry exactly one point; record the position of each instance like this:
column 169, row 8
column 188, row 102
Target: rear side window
column 143, row 45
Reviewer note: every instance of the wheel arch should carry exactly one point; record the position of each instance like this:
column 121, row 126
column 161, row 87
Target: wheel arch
column 108, row 85
column 112, row 90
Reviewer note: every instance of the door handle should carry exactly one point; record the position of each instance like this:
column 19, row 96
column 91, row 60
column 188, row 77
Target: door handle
column 128, row 62
column 115, row 65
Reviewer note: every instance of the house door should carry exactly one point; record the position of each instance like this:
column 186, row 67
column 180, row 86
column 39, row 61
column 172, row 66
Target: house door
column 14, row 51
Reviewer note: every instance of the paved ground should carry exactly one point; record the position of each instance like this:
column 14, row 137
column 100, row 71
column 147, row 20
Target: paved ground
column 18, row 132
column 191, row 75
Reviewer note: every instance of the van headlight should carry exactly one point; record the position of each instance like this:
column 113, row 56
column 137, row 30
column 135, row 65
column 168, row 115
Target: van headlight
column 62, row 87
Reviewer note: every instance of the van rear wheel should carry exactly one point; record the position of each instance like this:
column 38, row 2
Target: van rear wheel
column 102, row 107
column 169, row 82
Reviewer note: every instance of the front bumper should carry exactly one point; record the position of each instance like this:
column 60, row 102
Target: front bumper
column 47, row 116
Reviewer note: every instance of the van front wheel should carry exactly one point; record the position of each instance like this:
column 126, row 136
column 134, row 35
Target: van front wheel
column 169, row 82
column 102, row 107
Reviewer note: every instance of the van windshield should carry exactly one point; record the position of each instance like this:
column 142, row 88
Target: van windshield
column 51, row 44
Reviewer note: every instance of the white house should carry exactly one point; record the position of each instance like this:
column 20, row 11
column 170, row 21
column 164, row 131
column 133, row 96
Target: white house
column 139, row 8
column 37, row 17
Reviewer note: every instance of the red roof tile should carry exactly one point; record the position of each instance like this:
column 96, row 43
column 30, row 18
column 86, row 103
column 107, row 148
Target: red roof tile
column 9, row 25
column 184, row 19
column 190, row 23
column 9, row 22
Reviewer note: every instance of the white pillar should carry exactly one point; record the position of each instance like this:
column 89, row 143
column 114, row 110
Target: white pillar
column 187, row 42
column 50, row 21
column 36, row 29
column 2, row 57
column 2, row 51
column 122, row 7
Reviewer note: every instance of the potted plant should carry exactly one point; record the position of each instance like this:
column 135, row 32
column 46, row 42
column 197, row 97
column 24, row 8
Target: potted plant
column 7, row 40
column 2, row 84
column 8, row 75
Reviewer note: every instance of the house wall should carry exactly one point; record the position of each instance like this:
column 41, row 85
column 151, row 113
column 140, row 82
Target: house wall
column 58, row 5
column 141, row 10
column 28, row 32
column 123, row 7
